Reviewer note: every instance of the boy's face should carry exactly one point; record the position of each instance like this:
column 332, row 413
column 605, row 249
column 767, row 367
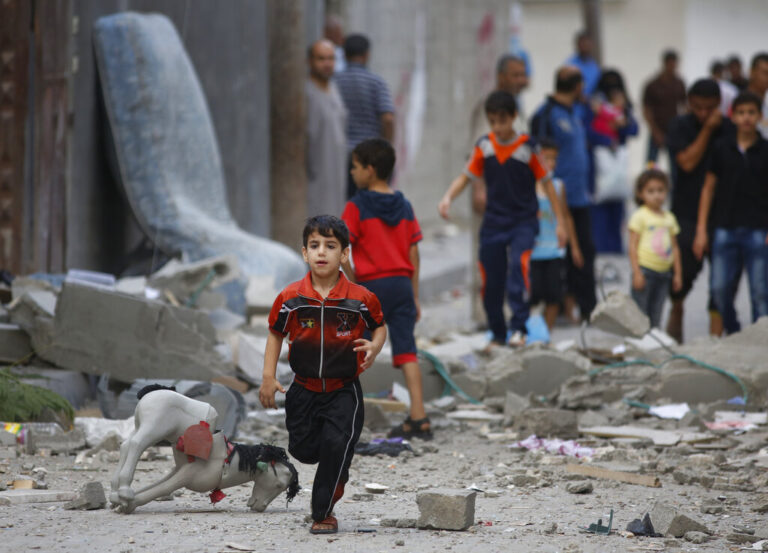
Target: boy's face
column 746, row 117
column 548, row 157
column 702, row 108
column 501, row 125
column 324, row 254
column 362, row 175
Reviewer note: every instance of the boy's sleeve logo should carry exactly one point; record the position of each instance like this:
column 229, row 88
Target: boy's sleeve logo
column 307, row 323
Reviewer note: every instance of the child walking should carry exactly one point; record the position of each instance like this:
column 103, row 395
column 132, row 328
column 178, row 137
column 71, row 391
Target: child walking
column 385, row 234
column 548, row 257
column 324, row 317
column 653, row 251
column 510, row 168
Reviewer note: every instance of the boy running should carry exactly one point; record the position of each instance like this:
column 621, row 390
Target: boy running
column 324, row 317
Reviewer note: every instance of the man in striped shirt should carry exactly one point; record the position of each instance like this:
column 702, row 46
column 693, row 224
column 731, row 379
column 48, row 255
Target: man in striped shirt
column 366, row 97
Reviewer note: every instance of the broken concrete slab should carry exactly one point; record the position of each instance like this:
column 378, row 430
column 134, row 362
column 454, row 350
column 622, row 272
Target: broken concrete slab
column 259, row 295
column 547, row 423
column 105, row 332
column 619, row 314
column 659, row 437
column 513, row 406
column 33, row 311
column 7, row 438
column 14, row 343
column 669, row 521
column 186, row 281
column 71, row 385
column 225, row 322
column 91, row 497
column 53, row 438
column 14, row 497
column 472, row 383
column 445, row 509
column 579, row 487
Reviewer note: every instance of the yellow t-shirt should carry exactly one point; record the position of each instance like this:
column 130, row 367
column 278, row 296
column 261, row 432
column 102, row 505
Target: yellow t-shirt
column 656, row 230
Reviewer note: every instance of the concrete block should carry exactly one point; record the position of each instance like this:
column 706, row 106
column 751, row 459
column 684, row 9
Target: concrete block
column 33, row 311
column 680, row 382
column 225, row 322
column 105, row 332
column 580, row 487
column 7, row 438
column 474, row 384
column 52, row 437
column 619, row 314
column 668, row 521
column 91, row 497
column 260, row 294
column 554, row 423
column 14, row 343
column 8, row 452
column 537, row 371
column 14, row 497
column 185, row 279
column 445, row 509
column 71, row 385
column 513, row 406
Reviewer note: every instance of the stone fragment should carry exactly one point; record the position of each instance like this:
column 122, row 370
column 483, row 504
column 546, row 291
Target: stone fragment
column 51, row 437
column 761, row 504
column 99, row 331
column 696, row 537
column 552, row 423
column 12, row 497
column 524, row 480
column 668, row 521
column 741, row 538
column 619, row 314
column 91, row 497
column 513, row 405
column 445, row 509
column 474, row 384
column 712, row 508
column 14, row 343
column 7, row 438
column 582, row 487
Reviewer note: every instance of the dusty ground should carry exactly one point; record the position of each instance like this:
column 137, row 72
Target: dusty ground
column 523, row 495
column 509, row 517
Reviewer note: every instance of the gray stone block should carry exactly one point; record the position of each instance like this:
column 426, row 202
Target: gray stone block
column 582, row 487
column 91, row 497
column 100, row 331
column 444, row 509
column 14, row 343
column 619, row 314
column 474, row 384
column 555, row 423
column 51, row 436
column 6, row 438
column 513, row 406
column 668, row 521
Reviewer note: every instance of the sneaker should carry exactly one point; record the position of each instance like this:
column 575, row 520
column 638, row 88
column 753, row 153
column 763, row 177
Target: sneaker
column 517, row 339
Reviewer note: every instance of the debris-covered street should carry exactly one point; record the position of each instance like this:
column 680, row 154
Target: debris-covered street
column 699, row 467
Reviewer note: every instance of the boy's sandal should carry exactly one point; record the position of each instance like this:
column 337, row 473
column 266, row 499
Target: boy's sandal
column 329, row 525
column 410, row 428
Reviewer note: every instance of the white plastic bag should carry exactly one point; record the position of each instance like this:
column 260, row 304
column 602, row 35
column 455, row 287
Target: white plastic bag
column 611, row 174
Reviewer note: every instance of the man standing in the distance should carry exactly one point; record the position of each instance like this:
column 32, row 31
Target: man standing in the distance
column 326, row 134
column 663, row 99
column 366, row 97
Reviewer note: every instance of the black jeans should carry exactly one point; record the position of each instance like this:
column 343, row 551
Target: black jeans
column 651, row 298
column 323, row 428
column 581, row 281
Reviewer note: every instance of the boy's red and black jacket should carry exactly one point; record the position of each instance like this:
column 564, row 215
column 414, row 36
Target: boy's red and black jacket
column 321, row 332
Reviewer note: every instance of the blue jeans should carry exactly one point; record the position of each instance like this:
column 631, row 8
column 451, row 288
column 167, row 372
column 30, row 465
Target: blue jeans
column 504, row 262
column 733, row 249
column 650, row 299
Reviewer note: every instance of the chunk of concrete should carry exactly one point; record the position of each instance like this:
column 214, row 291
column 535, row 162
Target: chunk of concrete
column 14, row 343
column 619, row 314
column 91, row 497
column 474, row 384
column 259, row 295
column 537, row 371
column 444, row 509
column 668, row 521
column 71, row 385
column 52, row 437
column 13, row 497
column 33, row 311
column 579, row 487
column 513, row 406
column 225, row 322
column 553, row 423
column 7, row 438
column 105, row 332
column 187, row 280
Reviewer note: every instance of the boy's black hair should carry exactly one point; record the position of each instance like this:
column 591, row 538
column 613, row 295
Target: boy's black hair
column 647, row 176
column 567, row 81
column 716, row 68
column 705, row 88
column 501, row 102
column 757, row 58
column 548, row 144
column 356, row 45
column 669, row 55
column 377, row 153
column 327, row 225
column 747, row 97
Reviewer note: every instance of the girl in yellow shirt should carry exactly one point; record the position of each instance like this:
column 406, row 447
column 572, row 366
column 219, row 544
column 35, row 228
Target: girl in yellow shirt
column 653, row 251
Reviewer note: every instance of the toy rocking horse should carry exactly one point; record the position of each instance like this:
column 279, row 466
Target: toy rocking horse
column 205, row 461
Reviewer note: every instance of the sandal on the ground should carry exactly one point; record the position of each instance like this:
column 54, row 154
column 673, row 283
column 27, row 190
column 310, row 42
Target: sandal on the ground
column 410, row 428
column 330, row 523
